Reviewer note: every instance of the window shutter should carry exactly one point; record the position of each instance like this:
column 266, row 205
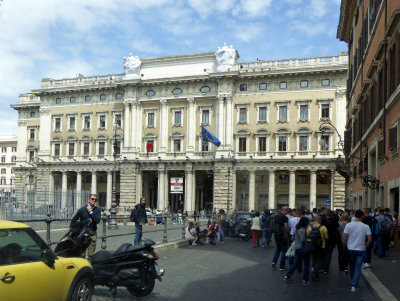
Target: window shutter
column 393, row 138
column 347, row 142
column 381, row 148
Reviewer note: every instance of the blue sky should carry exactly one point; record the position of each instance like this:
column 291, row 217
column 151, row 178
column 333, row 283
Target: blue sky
column 58, row 38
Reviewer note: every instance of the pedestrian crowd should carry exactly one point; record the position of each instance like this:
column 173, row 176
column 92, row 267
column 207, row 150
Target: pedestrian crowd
column 307, row 239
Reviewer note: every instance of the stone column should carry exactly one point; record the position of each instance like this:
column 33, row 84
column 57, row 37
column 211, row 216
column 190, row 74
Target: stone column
column 139, row 127
column 51, row 188
column 220, row 128
column 64, row 189
column 191, row 125
column 139, row 184
column 164, row 126
column 271, row 190
column 188, row 188
column 252, row 189
column 134, row 123
column 233, row 198
column 161, row 187
column 292, row 189
column 229, row 125
column 332, row 188
column 93, row 188
column 313, row 189
column 78, row 200
column 109, row 189
column 194, row 191
column 127, row 123
column 22, row 141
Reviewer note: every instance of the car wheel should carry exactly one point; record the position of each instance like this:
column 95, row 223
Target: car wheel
column 83, row 290
column 144, row 290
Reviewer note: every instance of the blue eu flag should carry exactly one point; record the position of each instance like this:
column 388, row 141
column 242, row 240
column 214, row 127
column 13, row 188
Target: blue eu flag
column 208, row 137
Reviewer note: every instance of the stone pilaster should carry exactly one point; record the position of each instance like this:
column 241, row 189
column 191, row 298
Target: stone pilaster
column 339, row 191
column 222, row 184
column 128, row 188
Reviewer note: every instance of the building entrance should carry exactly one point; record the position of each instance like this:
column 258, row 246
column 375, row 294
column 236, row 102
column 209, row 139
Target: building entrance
column 176, row 192
column 150, row 188
column 204, row 190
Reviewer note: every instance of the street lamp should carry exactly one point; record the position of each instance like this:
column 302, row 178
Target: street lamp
column 113, row 211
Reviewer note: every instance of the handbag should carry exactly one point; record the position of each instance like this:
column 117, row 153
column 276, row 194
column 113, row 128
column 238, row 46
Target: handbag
column 291, row 251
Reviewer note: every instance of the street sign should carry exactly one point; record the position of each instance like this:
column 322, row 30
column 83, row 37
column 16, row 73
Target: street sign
column 176, row 185
column 328, row 201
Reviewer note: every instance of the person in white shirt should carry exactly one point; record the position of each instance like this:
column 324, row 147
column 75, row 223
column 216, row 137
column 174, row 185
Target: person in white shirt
column 355, row 234
column 293, row 222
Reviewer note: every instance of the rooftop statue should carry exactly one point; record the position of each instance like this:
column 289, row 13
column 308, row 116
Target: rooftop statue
column 131, row 66
column 226, row 57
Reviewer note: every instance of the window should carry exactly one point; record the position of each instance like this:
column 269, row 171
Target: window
column 14, row 149
column 303, row 143
column 325, row 82
column 205, row 117
column 262, row 114
column 150, row 120
column 325, row 111
column 71, row 149
column 31, row 134
column 322, row 179
column 88, row 98
column 118, row 120
column 243, row 115
column 102, row 121
column 262, row 144
column 31, row 156
column 150, row 93
column 302, row 179
column 205, row 89
column 3, row 159
column 72, row 100
column 13, row 158
column 242, row 145
column 57, row 149
column 177, row 145
column 3, row 181
column 325, row 144
column 102, row 97
column 150, row 146
column 86, row 147
column 118, row 96
column 11, row 181
column 86, row 123
column 117, row 147
column 282, row 113
column 303, row 112
column 262, row 86
column 303, row 83
column 178, row 118
column 72, row 121
column 58, row 100
column 283, row 179
column 204, row 146
column 283, row 85
column 177, row 91
column 3, row 171
column 57, row 124
column 102, row 146
column 282, row 143
column 32, row 114
column 4, row 149
column 243, row 87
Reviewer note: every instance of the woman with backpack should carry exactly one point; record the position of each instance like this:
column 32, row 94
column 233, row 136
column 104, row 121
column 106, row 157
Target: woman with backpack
column 300, row 234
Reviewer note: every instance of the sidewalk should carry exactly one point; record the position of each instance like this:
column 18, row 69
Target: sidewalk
column 383, row 275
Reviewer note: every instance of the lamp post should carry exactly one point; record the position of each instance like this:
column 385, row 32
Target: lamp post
column 228, row 207
column 113, row 211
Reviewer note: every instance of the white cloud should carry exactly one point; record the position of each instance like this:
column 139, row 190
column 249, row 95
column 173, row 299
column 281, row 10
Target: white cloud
column 317, row 8
column 252, row 8
column 248, row 32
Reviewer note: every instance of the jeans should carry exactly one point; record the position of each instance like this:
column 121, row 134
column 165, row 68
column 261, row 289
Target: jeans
column 317, row 261
column 222, row 237
column 306, row 267
column 380, row 245
column 368, row 255
column 281, row 247
column 356, row 259
column 343, row 257
column 266, row 237
column 327, row 256
column 138, row 235
column 297, row 262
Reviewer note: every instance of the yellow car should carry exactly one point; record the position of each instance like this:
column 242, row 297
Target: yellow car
column 29, row 269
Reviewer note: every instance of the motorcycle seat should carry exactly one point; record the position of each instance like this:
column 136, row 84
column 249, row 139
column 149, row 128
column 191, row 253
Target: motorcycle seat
column 101, row 256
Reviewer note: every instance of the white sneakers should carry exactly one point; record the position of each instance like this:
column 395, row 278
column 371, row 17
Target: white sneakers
column 366, row 265
column 353, row 289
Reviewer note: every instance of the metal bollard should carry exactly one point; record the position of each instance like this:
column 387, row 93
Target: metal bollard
column 183, row 228
column 165, row 237
column 48, row 222
column 104, row 237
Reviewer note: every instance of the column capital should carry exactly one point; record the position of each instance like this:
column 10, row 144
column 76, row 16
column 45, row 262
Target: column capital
column 163, row 102
column 292, row 170
column 191, row 101
column 313, row 171
column 44, row 111
column 271, row 170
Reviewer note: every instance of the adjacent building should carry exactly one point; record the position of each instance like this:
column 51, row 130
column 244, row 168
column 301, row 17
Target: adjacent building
column 272, row 119
column 372, row 30
column 8, row 154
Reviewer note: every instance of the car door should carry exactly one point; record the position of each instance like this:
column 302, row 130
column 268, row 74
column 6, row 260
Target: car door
column 23, row 274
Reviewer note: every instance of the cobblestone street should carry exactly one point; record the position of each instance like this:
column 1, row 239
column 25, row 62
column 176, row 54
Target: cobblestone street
column 236, row 271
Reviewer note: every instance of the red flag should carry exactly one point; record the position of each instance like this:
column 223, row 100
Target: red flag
column 149, row 146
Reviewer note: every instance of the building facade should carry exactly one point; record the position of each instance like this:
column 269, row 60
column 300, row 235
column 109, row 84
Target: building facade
column 266, row 114
column 8, row 153
column 372, row 30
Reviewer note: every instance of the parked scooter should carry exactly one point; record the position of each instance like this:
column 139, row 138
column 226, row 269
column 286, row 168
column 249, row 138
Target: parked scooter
column 241, row 230
column 133, row 267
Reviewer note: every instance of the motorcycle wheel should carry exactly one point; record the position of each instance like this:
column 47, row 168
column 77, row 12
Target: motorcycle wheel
column 247, row 237
column 144, row 290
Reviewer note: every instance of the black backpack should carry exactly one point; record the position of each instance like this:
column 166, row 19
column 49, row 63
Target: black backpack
column 134, row 215
column 275, row 224
column 314, row 240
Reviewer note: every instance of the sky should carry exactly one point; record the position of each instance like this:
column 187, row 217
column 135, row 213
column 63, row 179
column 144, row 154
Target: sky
column 59, row 39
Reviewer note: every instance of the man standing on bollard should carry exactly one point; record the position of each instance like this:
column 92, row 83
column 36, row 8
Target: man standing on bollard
column 89, row 217
column 138, row 215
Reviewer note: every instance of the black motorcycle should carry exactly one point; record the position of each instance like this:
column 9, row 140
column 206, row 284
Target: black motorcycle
column 133, row 267
column 241, row 230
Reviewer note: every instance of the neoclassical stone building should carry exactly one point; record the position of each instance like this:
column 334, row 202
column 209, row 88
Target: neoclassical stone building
column 267, row 115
